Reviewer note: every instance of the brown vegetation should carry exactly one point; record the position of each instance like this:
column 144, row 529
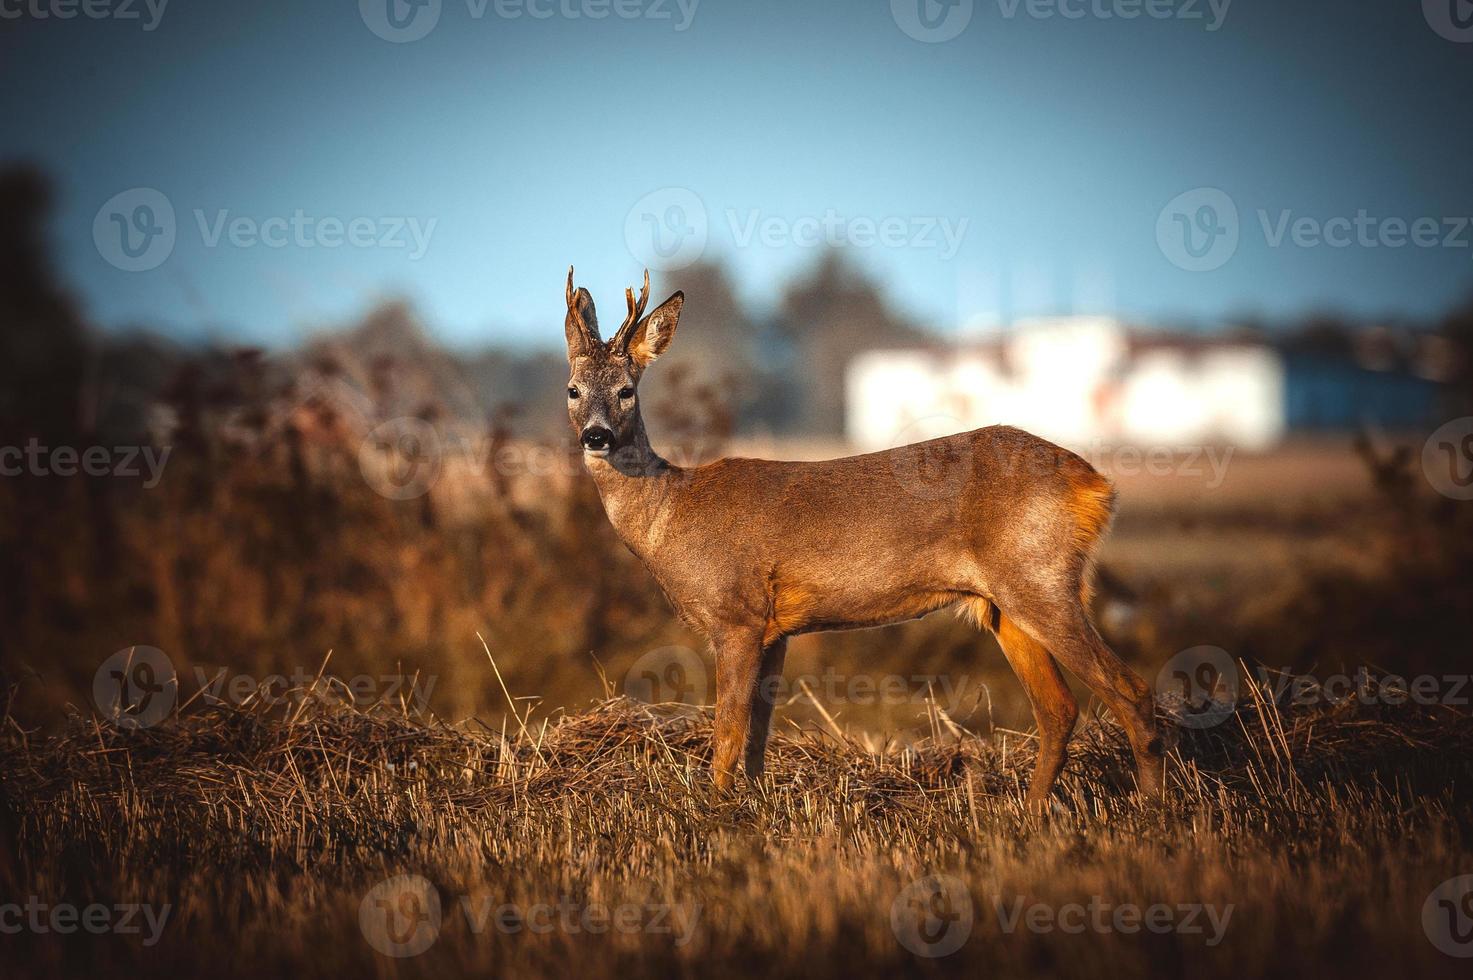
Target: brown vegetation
column 267, row 828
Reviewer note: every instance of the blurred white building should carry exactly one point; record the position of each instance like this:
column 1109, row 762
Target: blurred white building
column 1077, row 381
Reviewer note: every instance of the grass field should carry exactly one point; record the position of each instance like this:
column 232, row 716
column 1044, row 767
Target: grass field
column 313, row 839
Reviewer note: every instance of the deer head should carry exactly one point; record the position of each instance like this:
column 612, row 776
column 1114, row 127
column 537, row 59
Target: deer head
column 603, row 391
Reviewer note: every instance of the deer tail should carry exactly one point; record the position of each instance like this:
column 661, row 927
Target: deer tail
column 1091, row 504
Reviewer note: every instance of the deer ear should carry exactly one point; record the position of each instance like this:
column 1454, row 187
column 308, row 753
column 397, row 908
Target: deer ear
column 581, row 326
column 654, row 333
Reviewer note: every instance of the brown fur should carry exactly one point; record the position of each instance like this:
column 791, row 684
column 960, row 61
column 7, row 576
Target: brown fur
column 1092, row 505
column 788, row 609
column 997, row 522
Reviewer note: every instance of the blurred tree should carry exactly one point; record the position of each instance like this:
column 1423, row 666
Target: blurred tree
column 825, row 319
column 1322, row 335
column 43, row 344
column 1457, row 327
column 718, row 354
column 43, row 352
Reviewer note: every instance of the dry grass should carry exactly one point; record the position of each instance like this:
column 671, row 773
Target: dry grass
column 266, row 827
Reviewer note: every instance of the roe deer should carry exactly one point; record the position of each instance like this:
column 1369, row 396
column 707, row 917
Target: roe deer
column 753, row 551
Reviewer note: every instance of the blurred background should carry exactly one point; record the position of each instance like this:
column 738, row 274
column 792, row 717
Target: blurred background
column 281, row 364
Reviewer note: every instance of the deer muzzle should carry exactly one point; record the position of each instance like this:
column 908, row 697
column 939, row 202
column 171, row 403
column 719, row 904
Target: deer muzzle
column 597, row 439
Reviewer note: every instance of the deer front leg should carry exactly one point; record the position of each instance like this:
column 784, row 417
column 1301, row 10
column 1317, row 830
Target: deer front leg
column 738, row 663
column 762, row 705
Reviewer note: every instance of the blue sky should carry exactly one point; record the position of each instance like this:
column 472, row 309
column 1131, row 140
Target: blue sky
column 1048, row 146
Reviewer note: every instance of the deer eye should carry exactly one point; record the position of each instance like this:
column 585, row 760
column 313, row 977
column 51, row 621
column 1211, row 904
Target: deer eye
column 572, row 392
column 626, row 392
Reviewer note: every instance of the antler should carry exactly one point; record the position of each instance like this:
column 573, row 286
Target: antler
column 636, row 310
column 581, row 325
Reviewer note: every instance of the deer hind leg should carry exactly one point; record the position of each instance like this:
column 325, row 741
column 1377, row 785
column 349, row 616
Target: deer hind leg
column 738, row 665
column 768, row 677
column 1054, row 708
column 1064, row 628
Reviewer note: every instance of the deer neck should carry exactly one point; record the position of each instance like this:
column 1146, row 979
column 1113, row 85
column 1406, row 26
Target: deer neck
column 634, row 483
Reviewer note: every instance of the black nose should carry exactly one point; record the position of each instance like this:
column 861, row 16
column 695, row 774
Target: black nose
column 596, row 437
